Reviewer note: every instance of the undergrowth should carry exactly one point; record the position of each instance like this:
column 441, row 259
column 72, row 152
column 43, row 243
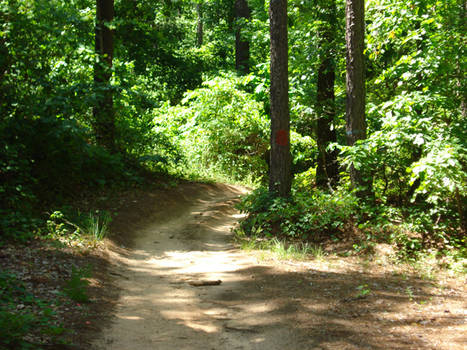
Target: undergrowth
column 83, row 231
column 76, row 286
column 315, row 217
column 281, row 248
column 22, row 314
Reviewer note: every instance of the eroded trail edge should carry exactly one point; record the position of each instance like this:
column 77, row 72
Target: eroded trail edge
column 184, row 285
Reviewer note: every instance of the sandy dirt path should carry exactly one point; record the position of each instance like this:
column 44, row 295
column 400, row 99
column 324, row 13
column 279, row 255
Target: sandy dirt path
column 259, row 304
column 162, row 305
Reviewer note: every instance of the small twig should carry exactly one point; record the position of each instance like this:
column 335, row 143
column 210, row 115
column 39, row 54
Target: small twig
column 204, row 283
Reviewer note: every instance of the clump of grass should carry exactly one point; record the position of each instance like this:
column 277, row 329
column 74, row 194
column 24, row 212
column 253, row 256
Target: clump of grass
column 282, row 249
column 85, row 231
column 97, row 224
column 317, row 252
column 296, row 251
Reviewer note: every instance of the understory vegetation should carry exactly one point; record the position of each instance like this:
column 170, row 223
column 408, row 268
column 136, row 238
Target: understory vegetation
column 184, row 107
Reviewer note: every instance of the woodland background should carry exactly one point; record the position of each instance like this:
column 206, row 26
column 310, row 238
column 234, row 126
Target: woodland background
column 188, row 86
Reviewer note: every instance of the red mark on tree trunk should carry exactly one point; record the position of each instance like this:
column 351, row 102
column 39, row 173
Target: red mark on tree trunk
column 282, row 137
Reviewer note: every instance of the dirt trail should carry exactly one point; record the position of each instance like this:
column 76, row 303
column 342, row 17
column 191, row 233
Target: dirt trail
column 260, row 304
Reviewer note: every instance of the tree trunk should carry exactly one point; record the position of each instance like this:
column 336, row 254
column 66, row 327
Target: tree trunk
column 459, row 58
column 104, row 117
column 355, row 85
column 199, row 31
column 327, row 170
column 280, row 178
column 242, row 46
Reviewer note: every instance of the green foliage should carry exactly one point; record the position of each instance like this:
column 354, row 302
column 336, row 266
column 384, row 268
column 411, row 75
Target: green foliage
column 76, row 287
column 55, row 224
column 97, row 225
column 83, row 230
column 220, row 128
column 414, row 156
column 47, row 146
column 363, row 291
column 306, row 215
column 21, row 314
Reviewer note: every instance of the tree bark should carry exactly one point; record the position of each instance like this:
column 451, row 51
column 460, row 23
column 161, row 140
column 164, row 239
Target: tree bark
column 280, row 178
column 242, row 46
column 355, row 85
column 104, row 116
column 199, row 29
column 327, row 170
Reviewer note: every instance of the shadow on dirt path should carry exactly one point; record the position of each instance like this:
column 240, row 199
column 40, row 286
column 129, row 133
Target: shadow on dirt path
column 183, row 239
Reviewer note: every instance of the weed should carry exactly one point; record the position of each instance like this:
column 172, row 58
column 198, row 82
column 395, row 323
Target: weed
column 409, row 292
column 16, row 323
column 84, row 231
column 97, row 224
column 317, row 252
column 76, row 287
column 363, row 291
column 281, row 248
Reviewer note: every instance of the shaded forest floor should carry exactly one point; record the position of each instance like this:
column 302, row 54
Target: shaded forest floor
column 144, row 291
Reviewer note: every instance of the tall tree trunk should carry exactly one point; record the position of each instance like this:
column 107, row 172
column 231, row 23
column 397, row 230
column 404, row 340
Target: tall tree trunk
column 327, row 170
column 355, row 85
column 460, row 71
column 104, row 116
column 242, row 46
column 461, row 198
column 199, row 29
column 280, row 177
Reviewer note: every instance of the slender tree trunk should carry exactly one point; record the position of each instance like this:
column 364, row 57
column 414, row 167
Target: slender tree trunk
column 104, row 117
column 199, row 31
column 460, row 198
column 242, row 46
column 280, row 177
column 327, row 170
column 460, row 72
column 355, row 84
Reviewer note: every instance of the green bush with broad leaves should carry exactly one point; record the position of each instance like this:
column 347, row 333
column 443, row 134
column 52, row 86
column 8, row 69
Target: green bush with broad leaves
column 310, row 216
column 220, row 128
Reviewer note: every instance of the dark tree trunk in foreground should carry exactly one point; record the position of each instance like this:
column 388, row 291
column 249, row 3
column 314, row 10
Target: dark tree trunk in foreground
column 280, row 177
column 355, row 84
column 199, row 29
column 242, row 46
column 327, row 170
column 104, row 117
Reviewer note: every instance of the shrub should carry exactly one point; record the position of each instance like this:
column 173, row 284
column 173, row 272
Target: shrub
column 308, row 215
column 219, row 127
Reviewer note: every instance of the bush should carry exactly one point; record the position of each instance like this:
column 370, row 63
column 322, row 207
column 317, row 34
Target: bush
column 310, row 215
column 220, row 128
